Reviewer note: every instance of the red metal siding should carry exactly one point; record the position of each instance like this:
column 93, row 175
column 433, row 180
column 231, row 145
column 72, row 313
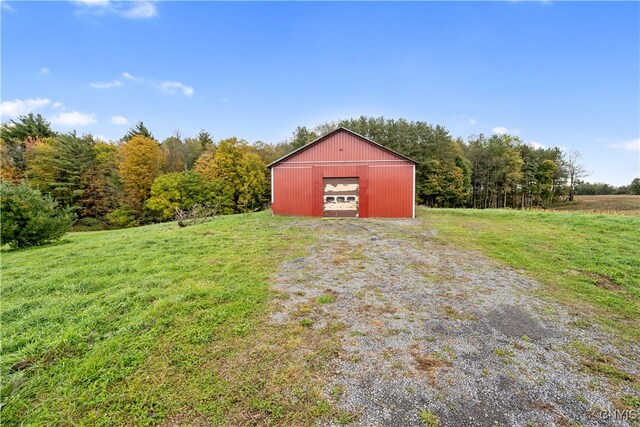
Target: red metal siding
column 292, row 191
column 391, row 191
column 386, row 180
column 342, row 146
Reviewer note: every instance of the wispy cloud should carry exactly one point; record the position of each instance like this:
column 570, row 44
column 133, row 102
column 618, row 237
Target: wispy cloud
column 74, row 118
column 6, row 6
column 633, row 145
column 472, row 121
column 168, row 86
column 175, row 87
column 500, row 130
column 92, row 3
column 119, row 120
column 536, row 145
column 22, row 106
column 106, row 85
column 128, row 76
column 57, row 105
column 140, row 9
column 44, row 71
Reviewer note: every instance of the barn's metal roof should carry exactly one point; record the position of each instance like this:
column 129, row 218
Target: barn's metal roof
column 341, row 128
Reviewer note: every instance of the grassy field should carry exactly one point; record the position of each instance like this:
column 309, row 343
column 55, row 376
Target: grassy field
column 612, row 204
column 588, row 262
column 160, row 325
column 153, row 324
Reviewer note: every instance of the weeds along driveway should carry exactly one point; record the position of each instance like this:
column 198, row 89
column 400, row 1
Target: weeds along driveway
column 433, row 334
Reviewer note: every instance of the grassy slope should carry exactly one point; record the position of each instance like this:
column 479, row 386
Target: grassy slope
column 165, row 325
column 589, row 262
column 157, row 322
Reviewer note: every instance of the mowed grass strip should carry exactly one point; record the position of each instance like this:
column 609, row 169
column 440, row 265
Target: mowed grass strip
column 156, row 325
column 588, row 262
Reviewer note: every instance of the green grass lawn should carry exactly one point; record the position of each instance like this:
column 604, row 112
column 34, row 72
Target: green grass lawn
column 162, row 325
column 589, row 262
column 142, row 325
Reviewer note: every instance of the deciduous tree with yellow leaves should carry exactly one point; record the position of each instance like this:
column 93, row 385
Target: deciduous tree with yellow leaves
column 239, row 170
column 141, row 159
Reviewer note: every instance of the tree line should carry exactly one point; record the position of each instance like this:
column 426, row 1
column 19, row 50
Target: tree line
column 137, row 180
column 140, row 179
column 600, row 188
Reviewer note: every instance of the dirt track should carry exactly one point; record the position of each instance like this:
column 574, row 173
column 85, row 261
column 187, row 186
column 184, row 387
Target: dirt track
column 429, row 328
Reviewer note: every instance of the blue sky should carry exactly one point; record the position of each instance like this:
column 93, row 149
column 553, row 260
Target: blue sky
column 553, row 73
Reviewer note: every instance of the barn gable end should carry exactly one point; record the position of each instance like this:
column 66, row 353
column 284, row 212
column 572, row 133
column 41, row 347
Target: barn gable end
column 343, row 174
column 341, row 145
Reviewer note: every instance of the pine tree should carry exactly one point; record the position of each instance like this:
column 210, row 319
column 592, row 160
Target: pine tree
column 206, row 141
column 16, row 135
column 138, row 130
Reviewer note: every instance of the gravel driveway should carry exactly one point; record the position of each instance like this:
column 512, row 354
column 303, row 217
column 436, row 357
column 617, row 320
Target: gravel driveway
column 432, row 333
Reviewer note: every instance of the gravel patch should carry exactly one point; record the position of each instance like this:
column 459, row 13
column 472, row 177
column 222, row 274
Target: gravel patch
column 430, row 327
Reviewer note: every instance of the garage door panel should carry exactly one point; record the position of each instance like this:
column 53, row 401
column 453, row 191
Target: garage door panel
column 341, row 197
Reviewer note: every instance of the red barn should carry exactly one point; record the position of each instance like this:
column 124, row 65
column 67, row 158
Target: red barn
column 343, row 174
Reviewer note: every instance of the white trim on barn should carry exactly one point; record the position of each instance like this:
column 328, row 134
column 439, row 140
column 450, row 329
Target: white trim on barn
column 414, row 190
column 272, row 187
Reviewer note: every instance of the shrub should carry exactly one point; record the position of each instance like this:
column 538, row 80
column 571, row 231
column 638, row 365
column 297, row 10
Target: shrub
column 175, row 191
column 27, row 218
column 122, row 218
column 89, row 224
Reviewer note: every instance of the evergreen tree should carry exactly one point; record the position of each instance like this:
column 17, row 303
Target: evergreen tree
column 205, row 139
column 138, row 130
column 18, row 134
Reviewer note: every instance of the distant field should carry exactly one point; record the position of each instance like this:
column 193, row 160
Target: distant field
column 614, row 204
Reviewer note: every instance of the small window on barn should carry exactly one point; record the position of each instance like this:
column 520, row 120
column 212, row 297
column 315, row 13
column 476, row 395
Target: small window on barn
column 340, row 199
column 351, row 199
column 331, row 199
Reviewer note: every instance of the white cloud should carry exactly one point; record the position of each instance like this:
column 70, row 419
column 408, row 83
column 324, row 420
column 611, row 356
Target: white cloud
column 74, row 118
column 472, row 122
column 141, row 10
column 106, row 85
column 57, row 105
column 633, row 145
column 92, row 3
column 174, row 87
column 536, row 145
column 130, row 77
column 500, row 130
column 168, row 86
column 44, row 71
column 22, row 106
column 119, row 120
